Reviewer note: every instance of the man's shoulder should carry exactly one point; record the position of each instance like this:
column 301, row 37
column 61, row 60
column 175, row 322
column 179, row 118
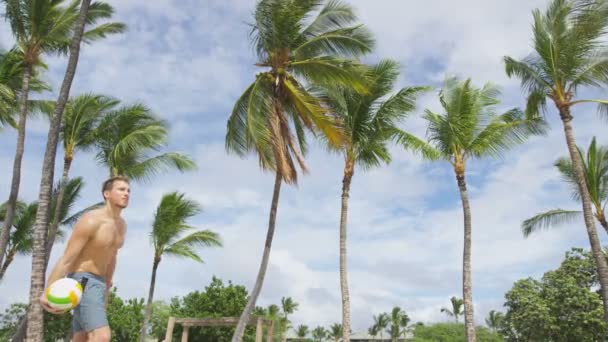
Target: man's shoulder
column 91, row 217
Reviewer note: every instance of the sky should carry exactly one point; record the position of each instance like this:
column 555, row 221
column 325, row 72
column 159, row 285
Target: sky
column 190, row 62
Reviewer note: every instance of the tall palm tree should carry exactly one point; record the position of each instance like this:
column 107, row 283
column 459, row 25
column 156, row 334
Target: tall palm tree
column 124, row 139
column 370, row 121
column 170, row 223
column 494, row 320
column 595, row 168
column 456, row 310
column 298, row 43
column 289, row 306
column 21, row 241
column 470, row 129
column 84, row 17
column 319, row 333
column 569, row 53
column 398, row 323
column 381, row 322
column 44, row 27
column 302, row 331
column 335, row 331
column 80, row 119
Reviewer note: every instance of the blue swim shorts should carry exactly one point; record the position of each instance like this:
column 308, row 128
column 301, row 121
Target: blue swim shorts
column 90, row 313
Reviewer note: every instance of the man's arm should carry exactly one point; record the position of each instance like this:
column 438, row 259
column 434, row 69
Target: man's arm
column 83, row 231
column 109, row 275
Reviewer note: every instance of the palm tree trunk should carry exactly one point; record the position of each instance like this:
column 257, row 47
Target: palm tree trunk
column 349, row 169
column 467, row 286
column 577, row 167
column 16, row 180
column 244, row 319
column 19, row 335
column 67, row 162
column 148, row 314
column 35, row 331
column 7, row 262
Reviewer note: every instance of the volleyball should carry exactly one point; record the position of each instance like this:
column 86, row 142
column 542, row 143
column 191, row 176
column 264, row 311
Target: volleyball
column 64, row 294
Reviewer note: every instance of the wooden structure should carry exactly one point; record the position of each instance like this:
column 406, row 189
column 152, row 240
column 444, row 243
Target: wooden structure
column 186, row 323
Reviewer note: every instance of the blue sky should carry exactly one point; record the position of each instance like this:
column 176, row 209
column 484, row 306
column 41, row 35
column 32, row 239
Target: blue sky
column 189, row 63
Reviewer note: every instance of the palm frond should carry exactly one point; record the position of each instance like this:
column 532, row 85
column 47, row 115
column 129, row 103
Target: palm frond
column 203, row 238
column 102, row 31
column 310, row 110
column 71, row 195
column 247, row 126
column 531, row 76
column 334, row 15
column 170, row 218
column 549, row 219
column 504, row 132
column 145, row 170
column 182, row 251
column 332, row 71
column 399, row 105
column 351, row 41
column 21, row 238
column 417, row 145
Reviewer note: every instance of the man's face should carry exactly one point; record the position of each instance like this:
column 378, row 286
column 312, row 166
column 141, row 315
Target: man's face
column 119, row 195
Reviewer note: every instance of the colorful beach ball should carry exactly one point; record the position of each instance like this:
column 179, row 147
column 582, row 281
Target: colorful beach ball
column 64, row 294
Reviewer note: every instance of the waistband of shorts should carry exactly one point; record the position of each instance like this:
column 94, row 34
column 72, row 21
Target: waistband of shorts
column 88, row 275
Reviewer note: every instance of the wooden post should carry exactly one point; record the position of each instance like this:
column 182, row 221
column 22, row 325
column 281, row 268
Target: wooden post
column 170, row 325
column 259, row 331
column 270, row 331
column 185, row 333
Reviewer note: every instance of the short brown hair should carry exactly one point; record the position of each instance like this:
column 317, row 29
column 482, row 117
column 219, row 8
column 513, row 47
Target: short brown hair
column 109, row 183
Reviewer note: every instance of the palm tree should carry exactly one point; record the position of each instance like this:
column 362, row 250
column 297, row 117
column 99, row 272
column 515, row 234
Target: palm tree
column 302, row 331
column 595, row 167
column 335, row 331
column 373, row 331
column 319, row 333
column 289, row 306
column 370, row 122
column 80, row 118
column 11, row 72
column 298, row 43
column 81, row 17
column 470, row 129
column 273, row 313
column 456, row 310
column 399, row 321
column 125, row 137
column 381, row 322
column 21, row 237
column 43, row 27
column 21, row 241
column 494, row 320
column 170, row 223
column 570, row 53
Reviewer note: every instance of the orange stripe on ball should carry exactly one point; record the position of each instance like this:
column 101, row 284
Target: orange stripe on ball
column 73, row 298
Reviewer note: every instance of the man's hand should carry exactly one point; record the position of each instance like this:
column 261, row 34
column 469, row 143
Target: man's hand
column 45, row 305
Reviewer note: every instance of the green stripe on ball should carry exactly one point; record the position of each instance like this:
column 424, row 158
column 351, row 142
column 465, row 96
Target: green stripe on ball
column 59, row 300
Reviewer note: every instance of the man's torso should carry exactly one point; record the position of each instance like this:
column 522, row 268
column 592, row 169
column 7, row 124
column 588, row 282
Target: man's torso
column 102, row 246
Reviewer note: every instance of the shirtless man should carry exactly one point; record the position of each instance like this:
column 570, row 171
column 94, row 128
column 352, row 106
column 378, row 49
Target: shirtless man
column 90, row 258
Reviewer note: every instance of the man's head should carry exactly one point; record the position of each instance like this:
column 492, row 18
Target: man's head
column 116, row 191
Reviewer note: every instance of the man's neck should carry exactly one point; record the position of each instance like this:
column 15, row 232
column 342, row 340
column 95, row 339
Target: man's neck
column 113, row 210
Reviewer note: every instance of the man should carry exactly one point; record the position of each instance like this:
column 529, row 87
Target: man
column 90, row 258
